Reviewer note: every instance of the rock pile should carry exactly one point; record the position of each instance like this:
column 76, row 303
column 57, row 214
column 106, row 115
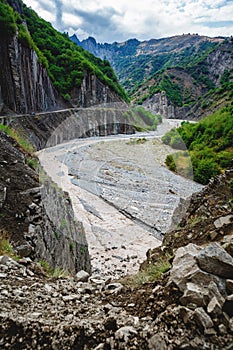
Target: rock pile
column 191, row 307
column 205, row 277
column 209, row 217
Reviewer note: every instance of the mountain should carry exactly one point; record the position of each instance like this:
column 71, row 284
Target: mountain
column 134, row 61
column 42, row 69
column 184, row 76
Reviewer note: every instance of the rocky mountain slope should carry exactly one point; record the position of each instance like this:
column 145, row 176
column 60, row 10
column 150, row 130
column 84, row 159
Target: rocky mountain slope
column 188, row 307
column 184, row 76
column 134, row 61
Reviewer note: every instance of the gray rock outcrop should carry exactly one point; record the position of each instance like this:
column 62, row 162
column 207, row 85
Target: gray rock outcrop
column 38, row 217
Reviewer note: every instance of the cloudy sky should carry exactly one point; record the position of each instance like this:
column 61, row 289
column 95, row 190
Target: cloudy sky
column 119, row 20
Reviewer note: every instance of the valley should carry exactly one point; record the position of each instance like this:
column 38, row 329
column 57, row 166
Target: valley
column 102, row 247
column 122, row 193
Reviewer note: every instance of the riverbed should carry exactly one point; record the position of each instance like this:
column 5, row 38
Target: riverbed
column 122, row 193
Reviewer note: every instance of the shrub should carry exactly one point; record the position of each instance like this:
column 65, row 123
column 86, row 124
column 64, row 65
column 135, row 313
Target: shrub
column 170, row 163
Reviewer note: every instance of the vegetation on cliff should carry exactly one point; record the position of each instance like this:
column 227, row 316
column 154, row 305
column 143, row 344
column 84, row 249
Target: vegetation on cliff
column 209, row 142
column 65, row 61
column 142, row 119
column 7, row 21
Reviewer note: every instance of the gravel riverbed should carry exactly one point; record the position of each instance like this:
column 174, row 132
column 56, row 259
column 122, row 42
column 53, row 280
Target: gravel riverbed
column 121, row 191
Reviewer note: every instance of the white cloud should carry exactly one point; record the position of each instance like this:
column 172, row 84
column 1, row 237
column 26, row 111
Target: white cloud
column 110, row 20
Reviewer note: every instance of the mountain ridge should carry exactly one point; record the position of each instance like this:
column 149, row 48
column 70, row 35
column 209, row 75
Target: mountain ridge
column 175, row 77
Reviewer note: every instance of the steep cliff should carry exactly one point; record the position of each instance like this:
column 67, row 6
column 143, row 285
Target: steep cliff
column 45, row 72
column 36, row 215
column 25, row 84
column 22, row 95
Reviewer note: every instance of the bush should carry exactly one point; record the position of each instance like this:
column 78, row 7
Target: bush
column 170, row 163
column 7, row 22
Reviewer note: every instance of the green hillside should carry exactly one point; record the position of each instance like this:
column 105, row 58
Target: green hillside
column 153, row 66
column 65, row 61
column 209, row 142
column 188, row 78
column 192, row 70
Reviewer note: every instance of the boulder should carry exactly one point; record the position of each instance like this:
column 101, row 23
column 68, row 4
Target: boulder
column 157, row 342
column 195, row 294
column 185, row 269
column 214, row 308
column 224, row 220
column 24, row 250
column 202, row 319
column 114, row 287
column 125, row 333
column 215, row 260
column 82, row 276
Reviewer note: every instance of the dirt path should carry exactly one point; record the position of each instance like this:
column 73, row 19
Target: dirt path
column 121, row 192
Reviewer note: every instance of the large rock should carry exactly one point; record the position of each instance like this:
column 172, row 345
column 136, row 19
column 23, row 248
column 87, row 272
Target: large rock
column 82, row 276
column 157, row 342
column 185, row 269
column 198, row 286
column 202, row 319
column 224, row 220
column 195, row 294
column 215, row 260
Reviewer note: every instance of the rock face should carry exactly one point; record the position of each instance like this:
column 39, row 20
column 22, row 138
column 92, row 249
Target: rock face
column 37, row 217
column 25, row 84
column 160, row 104
column 93, row 92
column 52, row 128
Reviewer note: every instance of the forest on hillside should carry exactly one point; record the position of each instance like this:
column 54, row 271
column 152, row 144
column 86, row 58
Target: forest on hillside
column 209, row 144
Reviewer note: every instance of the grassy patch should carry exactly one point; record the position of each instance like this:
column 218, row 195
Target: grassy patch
column 151, row 273
column 6, row 247
column 24, row 144
column 33, row 163
column 52, row 272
